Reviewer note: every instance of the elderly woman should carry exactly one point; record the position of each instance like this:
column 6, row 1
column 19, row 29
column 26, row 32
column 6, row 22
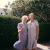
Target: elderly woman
column 22, row 30
column 33, row 32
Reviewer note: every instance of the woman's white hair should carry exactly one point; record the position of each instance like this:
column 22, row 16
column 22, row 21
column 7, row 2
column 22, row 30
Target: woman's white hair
column 24, row 17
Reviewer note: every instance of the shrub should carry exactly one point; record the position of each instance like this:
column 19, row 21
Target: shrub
column 8, row 31
column 44, row 32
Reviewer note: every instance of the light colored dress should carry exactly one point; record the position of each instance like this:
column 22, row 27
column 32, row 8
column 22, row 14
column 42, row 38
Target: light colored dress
column 21, row 43
column 32, row 42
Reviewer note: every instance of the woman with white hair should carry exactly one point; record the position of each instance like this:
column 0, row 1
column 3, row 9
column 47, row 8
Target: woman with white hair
column 33, row 32
column 22, row 30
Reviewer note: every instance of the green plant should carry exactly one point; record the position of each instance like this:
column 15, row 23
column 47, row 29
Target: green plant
column 8, row 31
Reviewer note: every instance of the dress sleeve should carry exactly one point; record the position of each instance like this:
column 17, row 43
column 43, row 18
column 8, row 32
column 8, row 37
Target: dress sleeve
column 19, row 26
column 36, row 22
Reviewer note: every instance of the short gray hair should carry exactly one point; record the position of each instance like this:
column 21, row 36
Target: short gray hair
column 31, row 14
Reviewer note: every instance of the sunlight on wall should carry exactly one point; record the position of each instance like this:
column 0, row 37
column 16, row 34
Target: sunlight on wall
column 4, row 2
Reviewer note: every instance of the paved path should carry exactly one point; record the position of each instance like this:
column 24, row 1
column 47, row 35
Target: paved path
column 39, row 47
column 42, row 47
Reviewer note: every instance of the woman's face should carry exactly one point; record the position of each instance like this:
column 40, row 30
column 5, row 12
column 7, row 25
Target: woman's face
column 31, row 17
column 28, row 18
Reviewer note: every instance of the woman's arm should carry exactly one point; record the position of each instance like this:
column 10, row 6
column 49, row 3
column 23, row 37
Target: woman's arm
column 37, row 29
column 20, row 29
column 37, row 32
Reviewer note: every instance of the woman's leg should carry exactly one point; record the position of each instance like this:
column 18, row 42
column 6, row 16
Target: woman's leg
column 18, row 45
column 35, row 45
column 15, row 45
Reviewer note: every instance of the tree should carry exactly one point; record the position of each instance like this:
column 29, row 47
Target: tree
column 21, row 7
column 5, row 9
column 39, row 7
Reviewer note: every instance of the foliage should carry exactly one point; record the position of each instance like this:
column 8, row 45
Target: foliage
column 8, row 31
column 39, row 7
column 44, row 33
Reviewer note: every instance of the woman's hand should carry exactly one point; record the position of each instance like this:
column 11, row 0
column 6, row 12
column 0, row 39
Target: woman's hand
column 21, row 30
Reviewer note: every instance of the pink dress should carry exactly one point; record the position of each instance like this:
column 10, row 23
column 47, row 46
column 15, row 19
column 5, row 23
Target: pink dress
column 32, row 42
column 21, row 43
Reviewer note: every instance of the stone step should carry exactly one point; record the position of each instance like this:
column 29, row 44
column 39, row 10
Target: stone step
column 42, row 47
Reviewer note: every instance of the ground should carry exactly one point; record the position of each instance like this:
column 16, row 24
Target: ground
column 39, row 47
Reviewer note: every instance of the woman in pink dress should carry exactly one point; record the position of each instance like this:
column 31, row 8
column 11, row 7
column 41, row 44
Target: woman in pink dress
column 22, row 30
column 33, row 32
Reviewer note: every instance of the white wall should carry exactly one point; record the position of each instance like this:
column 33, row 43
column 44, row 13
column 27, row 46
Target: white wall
column 2, row 11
